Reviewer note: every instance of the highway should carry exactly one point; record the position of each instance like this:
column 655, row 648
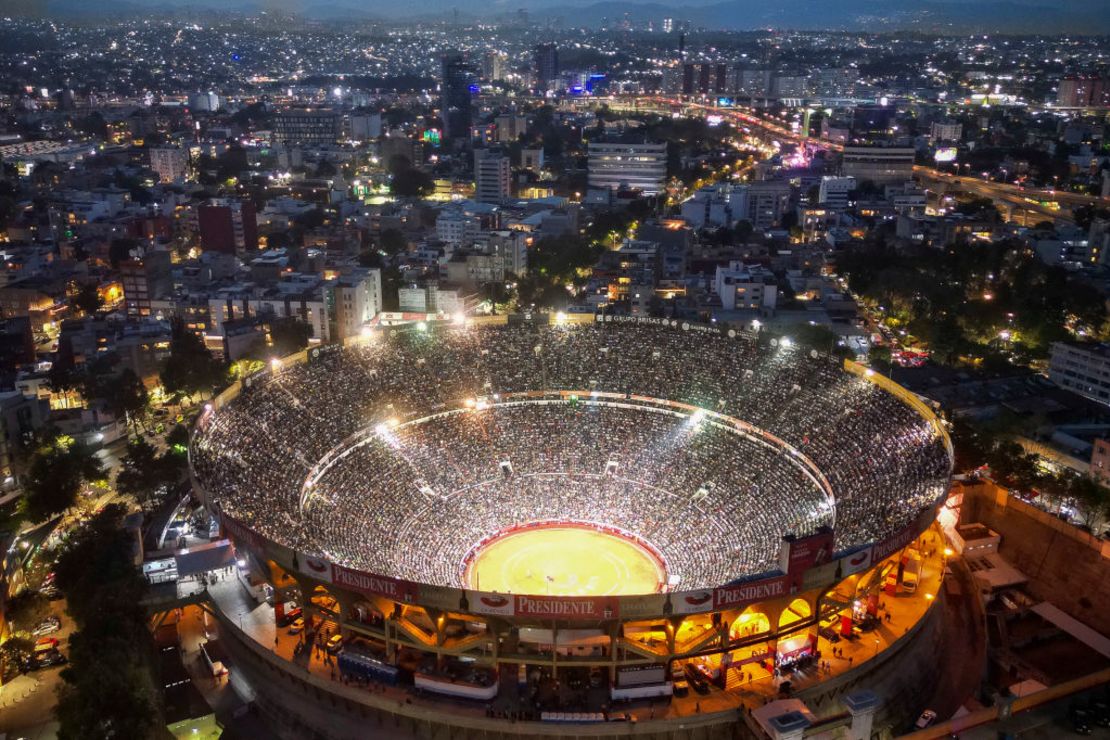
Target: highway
column 1023, row 205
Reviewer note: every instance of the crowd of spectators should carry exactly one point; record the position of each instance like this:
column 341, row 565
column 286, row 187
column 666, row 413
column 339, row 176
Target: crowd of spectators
column 397, row 455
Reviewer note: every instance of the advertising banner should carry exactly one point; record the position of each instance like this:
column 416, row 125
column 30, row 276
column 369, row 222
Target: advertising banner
column 692, row 602
column 566, row 607
column 490, row 603
column 314, row 567
column 365, row 583
column 740, row 595
column 804, row 553
column 243, row 535
column 856, row 562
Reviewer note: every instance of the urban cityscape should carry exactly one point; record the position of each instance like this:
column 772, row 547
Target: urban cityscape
column 722, row 371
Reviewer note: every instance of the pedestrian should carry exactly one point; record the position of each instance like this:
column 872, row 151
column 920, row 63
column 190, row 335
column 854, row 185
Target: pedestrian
column 849, row 660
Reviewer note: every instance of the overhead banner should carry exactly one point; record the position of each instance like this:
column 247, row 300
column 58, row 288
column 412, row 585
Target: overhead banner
column 390, row 588
column 691, row 602
column 806, row 553
column 314, row 567
column 500, row 605
column 566, row 607
column 741, row 594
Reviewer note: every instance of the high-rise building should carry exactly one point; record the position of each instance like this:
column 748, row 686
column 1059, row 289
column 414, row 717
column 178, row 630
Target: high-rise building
column 228, row 226
column 145, row 279
column 356, row 298
column 946, row 131
column 1081, row 91
column 306, row 127
column 456, row 79
column 1081, row 367
column 170, row 163
column 616, row 164
column 668, row 25
column 546, row 63
column 879, row 164
column 495, row 66
column 691, row 78
column 492, row 176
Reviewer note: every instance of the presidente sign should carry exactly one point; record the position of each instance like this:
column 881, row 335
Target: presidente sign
column 742, row 594
column 580, row 608
column 242, row 534
column 390, row 588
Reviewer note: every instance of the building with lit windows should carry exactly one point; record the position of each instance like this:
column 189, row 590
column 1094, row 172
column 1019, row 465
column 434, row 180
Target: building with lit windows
column 617, row 165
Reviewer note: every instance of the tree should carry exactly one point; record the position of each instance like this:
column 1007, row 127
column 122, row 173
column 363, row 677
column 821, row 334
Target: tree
column 58, row 469
column 126, row 397
column 109, row 689
column 412, row 183
column 393, row 241
column 143, row 471
column 120, row 250
column 88, row 298
column 190, row 369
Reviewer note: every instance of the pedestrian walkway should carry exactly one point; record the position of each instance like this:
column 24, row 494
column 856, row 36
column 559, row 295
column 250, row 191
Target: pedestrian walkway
column 18, row 689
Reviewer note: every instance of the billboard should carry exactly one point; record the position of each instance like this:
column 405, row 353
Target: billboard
column 390, row 588
column 945, row 154
column 741, row 594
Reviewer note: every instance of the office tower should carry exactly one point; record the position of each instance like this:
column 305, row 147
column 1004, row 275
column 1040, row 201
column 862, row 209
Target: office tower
column 170, row 163
column 495, row 66
column 456, row 79
column 546, row 63
column 492, row 176
column 306, row 127
column 879, row 164
column 618, row 165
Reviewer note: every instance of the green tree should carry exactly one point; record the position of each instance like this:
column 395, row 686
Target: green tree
column 58, row 469
column 412, row 183
column 109, row 689
column 88, row 299
column 190, row 369
column 143, row 471
column 393, row 242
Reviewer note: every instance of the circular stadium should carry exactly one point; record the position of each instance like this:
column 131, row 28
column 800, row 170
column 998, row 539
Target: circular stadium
column 612, row 458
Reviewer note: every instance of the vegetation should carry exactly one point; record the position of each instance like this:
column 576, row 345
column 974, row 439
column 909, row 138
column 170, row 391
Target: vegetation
column 58, row 469
column 190, row 369
column 109, row 688
column 970, row 302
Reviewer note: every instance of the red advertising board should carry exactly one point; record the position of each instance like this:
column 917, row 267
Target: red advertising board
column 243, row 535
column 742, row 594
column 807, row 552
column 391, row 588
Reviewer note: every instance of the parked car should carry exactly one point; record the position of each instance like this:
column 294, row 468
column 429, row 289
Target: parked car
column 335, row 644
column 927, row 718
column 681, row 687
column 46, row 659
column 1080, row 720
column 47, row 626
column 44, row 644
column 697, row 679
column 297, row 627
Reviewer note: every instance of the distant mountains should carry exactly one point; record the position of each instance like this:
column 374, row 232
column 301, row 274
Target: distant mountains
column 934, row 16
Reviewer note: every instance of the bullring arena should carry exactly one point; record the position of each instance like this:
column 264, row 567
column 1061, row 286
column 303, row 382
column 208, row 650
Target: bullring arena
column 521, row 505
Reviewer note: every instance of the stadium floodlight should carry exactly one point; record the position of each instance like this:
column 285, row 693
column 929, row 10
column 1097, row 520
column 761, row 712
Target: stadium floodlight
column 471, row 403
column 422, row 326
column 756, row 324
column 560, row 318
column 207, row 408
column 367, row 332
column 459, row 318
column 785, row 342
column 869, row 372
column 275, row 364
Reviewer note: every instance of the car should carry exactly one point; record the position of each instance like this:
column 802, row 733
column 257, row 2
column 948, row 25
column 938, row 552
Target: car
column 927, row 718
column 46, row 659
column 1080, row 720
column 335, row 644
column 289, row 617
column 47, row 626
column 681, row 687
column 44, row 644
column 297, row 627
column 1100, row 712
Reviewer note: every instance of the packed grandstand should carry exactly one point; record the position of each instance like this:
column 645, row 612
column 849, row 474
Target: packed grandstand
column 397, row 454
